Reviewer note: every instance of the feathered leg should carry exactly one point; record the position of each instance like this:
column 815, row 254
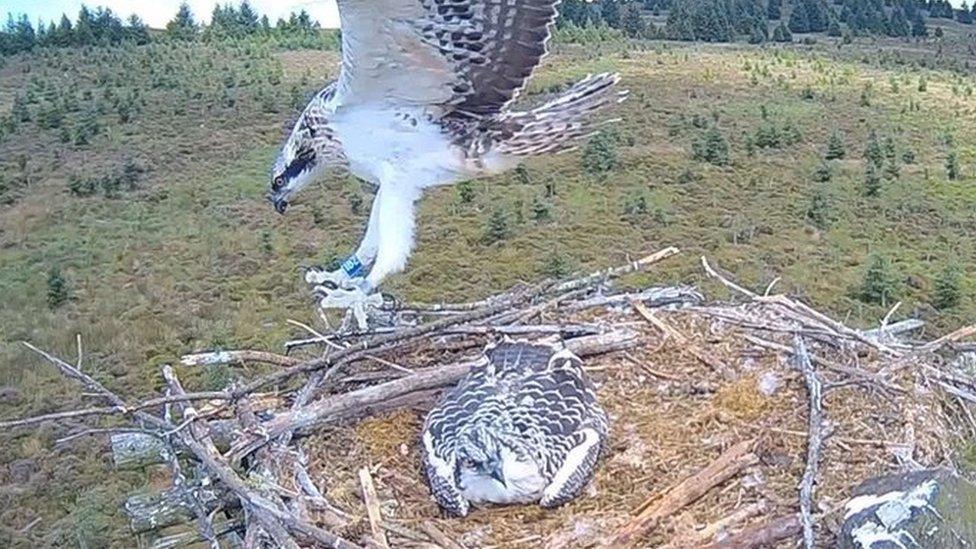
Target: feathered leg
column 390, row 233
column 395, row 232
column 353, row 267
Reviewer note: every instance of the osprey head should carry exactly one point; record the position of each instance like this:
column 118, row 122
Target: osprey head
column 479, row 452
column 296, row 164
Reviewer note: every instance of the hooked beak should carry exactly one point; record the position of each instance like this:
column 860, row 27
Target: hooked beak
column 498, row 474
column 279, row 200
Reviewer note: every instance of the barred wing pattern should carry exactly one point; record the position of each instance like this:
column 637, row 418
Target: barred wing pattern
column 472, row 56
column 535, row 397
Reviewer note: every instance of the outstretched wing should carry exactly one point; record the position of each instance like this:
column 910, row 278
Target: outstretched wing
column 465, row 55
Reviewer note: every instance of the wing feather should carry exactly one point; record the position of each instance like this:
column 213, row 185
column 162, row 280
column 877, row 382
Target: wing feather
column 472, row 56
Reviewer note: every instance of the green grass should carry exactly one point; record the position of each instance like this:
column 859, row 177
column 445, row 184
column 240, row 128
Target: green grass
column 194, row 258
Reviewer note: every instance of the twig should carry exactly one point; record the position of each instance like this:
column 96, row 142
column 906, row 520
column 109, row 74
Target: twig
column 569, row 330
column 682, row 340
column 814, row 441
column 725, row 281
column 120, row 408
column 372, row 507
column 615, row 272
column 961, row 333
column 868, row 376
column 887, row 317
column 439, row 537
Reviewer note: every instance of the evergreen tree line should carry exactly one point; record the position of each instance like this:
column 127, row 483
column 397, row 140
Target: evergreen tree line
column 98, row 27
column 102, row 27
column 761, row 20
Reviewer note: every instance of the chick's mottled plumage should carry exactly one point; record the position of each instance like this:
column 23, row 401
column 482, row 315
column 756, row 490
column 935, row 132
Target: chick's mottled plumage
column 524, row 426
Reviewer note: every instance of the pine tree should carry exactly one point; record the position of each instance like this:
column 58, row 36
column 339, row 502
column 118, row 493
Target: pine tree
column 898, row 23
column 952, row 166
column 872, row 181
column 799, row 22
column 610, row 11
column 600, row 153
column 919, row 30
column 497, row 227
column 818, row 211
column 879, row 283
column 711, row 147
column 774, row 10
column 541, row 210
column 183, row 27
column 465, row 191
column 834, row 28
column 247, row 18
column 892, row 169
column 782, row 33
column 555, row 265
column 136, row 31
column 947, row 288
column 57, row 288
column 823, row 173
column 19, row 111
column 633, row 23
column 873, row 152
column 965, row 16
column 835, row 147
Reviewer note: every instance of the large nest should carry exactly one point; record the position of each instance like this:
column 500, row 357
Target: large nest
column 741, row 424
column 724, row 374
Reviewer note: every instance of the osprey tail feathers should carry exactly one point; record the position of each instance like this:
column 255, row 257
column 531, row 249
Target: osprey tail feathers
column 558, row 125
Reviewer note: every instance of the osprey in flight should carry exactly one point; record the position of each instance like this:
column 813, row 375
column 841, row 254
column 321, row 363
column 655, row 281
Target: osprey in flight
column 423, row 99
column 524, row 426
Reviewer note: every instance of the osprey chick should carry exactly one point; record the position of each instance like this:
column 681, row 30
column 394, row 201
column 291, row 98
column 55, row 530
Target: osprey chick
column 523, row 426
column 423, row 99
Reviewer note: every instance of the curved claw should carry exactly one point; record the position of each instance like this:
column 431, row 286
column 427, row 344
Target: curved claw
column 356, row 300
column 319, row 276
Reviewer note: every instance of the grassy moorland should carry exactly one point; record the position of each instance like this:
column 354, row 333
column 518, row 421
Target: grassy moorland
column 132, row 212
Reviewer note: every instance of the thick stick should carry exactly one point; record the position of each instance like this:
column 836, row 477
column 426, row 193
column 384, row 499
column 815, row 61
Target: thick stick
column 657, row 508
column 814, row 441
column 230, row 357
column 333, row 407
column 764, row 535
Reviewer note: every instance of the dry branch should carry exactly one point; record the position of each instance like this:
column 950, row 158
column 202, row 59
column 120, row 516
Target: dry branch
column 658, row 507
column 763, row 535
column 372, row 503
column 814, row 442
column 232, row 357
column 682, row 340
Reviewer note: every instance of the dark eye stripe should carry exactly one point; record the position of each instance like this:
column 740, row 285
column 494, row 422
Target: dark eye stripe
column 297, row 166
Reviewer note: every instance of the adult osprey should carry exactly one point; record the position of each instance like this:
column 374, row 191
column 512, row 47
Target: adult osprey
column 524, row 426
column 422, row 99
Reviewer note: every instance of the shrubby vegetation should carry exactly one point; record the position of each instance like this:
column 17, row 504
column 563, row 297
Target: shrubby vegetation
column 102, row 27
